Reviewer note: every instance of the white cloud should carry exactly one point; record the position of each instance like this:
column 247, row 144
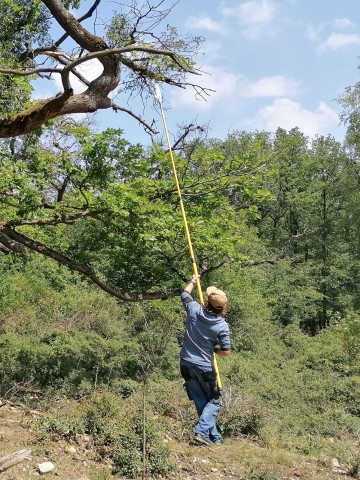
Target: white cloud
column 48, row 88
column 343, row 23
column 89, row 70
column 256, row 17
column 287, row 114
column 212, row 51
column 314, row 33
column 230, row 87
column 336, row 41
column 206, row 23
column 275, row 86
column 224, row 84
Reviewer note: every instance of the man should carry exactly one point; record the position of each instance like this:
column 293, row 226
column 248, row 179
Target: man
column 206, row 333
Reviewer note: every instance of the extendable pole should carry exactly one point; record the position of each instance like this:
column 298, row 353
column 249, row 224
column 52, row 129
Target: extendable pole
column 183, row 214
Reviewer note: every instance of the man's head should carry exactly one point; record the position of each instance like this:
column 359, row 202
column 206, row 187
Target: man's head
column 216, row 298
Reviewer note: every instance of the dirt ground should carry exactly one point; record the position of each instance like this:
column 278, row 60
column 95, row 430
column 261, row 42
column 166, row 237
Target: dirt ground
column 233, row 460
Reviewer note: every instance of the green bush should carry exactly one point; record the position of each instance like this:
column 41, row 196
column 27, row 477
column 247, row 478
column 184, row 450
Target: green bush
column 242, row 417
column 260, row 474
column 61, row 420
column 64, row 361
column 116, row 427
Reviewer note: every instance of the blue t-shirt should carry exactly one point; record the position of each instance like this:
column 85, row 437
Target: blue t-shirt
column 203, row 331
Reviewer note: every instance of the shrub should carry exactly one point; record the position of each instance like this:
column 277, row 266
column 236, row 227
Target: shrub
column 116, row 427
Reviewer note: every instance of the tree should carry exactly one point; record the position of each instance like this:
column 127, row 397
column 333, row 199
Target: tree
column 21, row 24
column 130, row 46
column 313, row 229
column 109, row 210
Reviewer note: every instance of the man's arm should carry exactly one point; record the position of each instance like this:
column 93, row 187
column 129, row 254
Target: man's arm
column 189, row 287
column 224, row 347
column 189, row 304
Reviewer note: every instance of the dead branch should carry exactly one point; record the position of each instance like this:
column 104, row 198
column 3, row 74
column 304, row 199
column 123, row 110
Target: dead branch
column 137, row 117
column 13, row 459
column 105, row 53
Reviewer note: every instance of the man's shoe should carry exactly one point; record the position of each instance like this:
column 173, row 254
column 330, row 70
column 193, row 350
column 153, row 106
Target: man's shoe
column 217, row 442
column 199, row 439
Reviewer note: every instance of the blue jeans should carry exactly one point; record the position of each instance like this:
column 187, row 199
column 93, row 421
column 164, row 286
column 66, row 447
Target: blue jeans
column 199, row 383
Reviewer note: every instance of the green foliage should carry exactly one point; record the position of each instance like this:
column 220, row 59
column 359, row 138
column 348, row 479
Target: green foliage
column 243, row 418
column 350, row 328
column 117, row 431
column 65, row 423
column 118, row 31
column 121, row 431
column 281, row 387
column 38, row 295
column 23, row 24
column 73, row 363
column 297, row 388
column 310, row 225
column 281, row 214
column 131, row 232
column 259, row 473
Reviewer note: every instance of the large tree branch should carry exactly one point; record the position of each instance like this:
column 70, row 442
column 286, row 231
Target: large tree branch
column 94, row 98
column 32, row 53
column 88, row 14
column 83, row 269
column 136, row 57
column 12, row 459
column 7, row 245
column 73, row 27
column 54, row 220
column 132, row 64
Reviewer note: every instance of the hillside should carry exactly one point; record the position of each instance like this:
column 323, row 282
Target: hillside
column 238, row 459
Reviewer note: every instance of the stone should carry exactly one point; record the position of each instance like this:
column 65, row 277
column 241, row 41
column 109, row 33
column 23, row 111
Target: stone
column 45, row 467
column 70, row 449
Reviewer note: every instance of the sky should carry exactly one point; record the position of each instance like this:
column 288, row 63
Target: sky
column 272, row 63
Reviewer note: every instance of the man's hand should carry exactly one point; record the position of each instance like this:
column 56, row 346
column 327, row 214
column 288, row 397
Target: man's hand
column 222, row 353
column 194, row 279
column 189, row 287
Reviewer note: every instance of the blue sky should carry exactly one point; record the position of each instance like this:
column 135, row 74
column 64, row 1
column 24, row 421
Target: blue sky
column 273, row 63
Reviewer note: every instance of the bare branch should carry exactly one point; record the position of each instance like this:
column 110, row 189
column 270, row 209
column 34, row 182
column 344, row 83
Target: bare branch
column 137, row 117
column 26, row 73
column 105, row 53
column 187, row 130
column 94, row 98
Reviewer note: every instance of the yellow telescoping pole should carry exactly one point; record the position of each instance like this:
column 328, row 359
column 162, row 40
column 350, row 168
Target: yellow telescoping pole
column 183, row 213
